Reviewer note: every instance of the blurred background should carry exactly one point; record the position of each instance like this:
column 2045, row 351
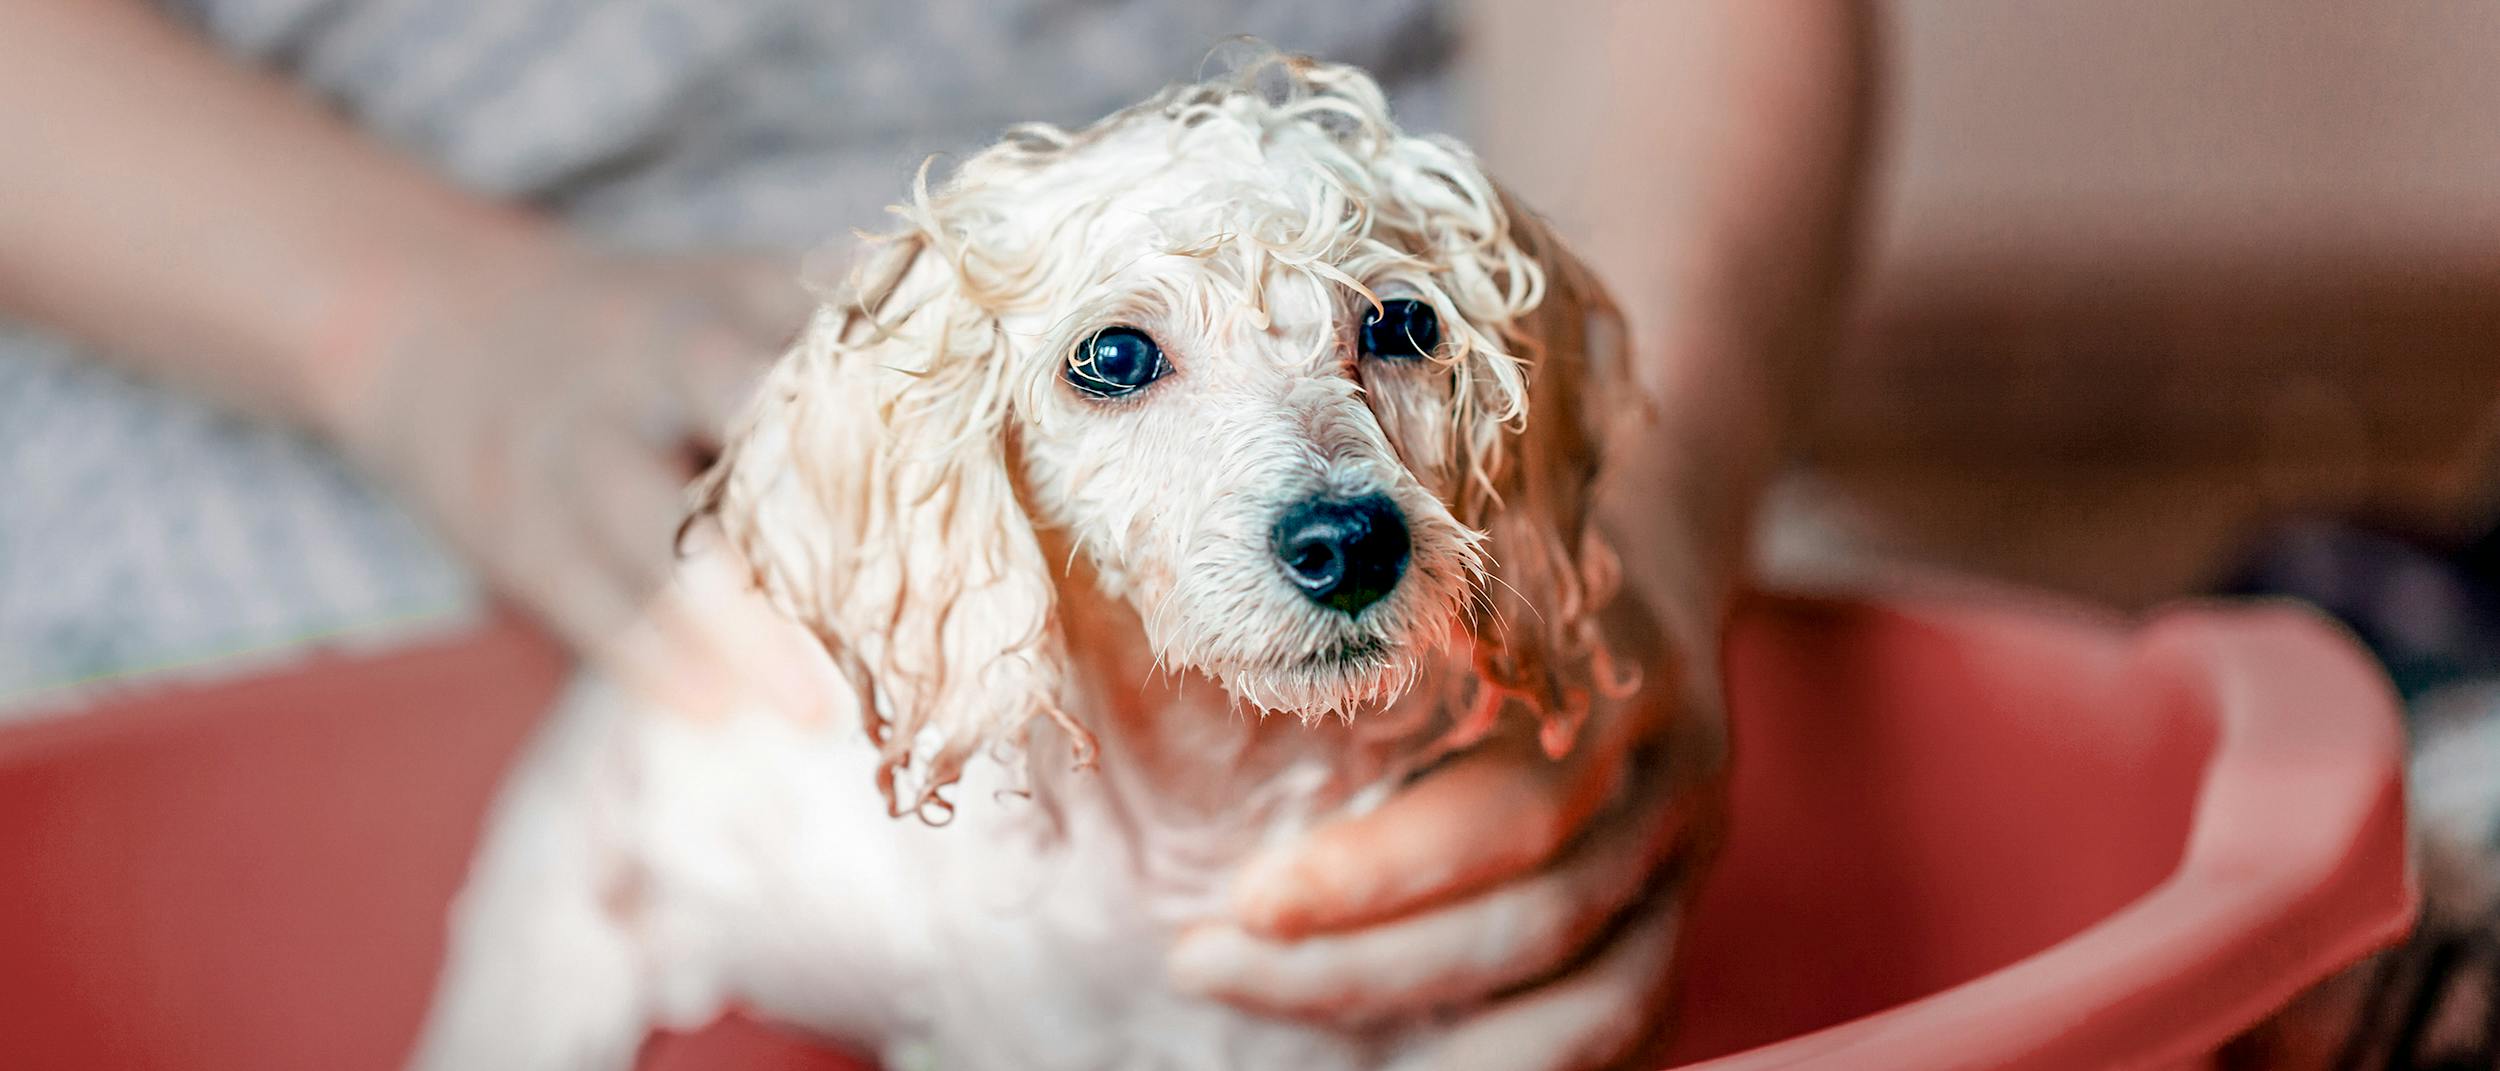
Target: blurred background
column 2147, row 282
column 2152, row 276
column 2158, row 291
column 2161, row 300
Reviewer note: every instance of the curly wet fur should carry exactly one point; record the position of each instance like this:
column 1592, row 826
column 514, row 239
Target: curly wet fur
column 875, row 485
column 1000, row 570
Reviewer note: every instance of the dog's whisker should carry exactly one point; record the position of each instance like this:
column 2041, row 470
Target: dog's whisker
column 1289, row 523
column 1524, row 600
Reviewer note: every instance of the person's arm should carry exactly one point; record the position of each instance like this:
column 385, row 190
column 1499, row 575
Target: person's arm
column 219, row 228
column 212, row 223
column 1706, row 159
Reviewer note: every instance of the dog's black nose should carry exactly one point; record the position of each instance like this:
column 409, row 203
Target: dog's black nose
column 1343, row 554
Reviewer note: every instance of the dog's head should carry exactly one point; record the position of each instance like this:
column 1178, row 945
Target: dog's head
column 1306, row 392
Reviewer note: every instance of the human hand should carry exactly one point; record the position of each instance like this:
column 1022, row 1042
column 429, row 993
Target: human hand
column 547, row 412
column 1521, row 910
column 1537, row 896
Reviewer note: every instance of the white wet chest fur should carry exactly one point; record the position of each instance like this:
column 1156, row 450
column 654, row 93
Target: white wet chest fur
column 750, row 862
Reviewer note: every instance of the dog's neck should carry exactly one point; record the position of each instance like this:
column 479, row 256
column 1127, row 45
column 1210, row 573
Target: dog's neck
column 1197, row 778
column 1184, row 742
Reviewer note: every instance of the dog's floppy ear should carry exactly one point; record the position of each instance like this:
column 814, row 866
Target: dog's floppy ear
column 1545, row 645
column 869, row 489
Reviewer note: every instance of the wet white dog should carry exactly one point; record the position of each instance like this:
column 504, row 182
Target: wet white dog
column 1238, row 403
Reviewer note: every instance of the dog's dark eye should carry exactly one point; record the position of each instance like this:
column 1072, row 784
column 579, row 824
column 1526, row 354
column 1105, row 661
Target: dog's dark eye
column 1115, row 361
column 1402, row 328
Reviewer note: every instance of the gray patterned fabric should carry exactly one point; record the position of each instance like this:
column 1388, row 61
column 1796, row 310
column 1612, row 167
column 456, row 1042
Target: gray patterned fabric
column 140, row 529
column 145, row 532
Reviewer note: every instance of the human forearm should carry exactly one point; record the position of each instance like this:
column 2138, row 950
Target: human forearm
column 211, row 223
column 1706, row 159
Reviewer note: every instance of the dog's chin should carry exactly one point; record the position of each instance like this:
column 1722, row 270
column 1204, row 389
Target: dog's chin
column 1344, row 678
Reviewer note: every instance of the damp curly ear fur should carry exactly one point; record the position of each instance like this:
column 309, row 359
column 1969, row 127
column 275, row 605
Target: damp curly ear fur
column 1074, row 480
column 893, row 483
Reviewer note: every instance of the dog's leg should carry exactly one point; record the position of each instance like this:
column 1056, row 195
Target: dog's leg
column 544, row 970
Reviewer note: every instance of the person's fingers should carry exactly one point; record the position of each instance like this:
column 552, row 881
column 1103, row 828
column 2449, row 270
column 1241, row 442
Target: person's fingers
column 731, row 316
column 542, row 561
column 631, row 496
column 532, row 515
column 1486, row 816
column 1507, row 937
column 764, row 295
column 719, row 374
column 1594, row 1018
column 547, row 431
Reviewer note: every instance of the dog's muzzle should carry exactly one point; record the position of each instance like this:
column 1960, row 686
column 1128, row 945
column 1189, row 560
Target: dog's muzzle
column 1343, row 554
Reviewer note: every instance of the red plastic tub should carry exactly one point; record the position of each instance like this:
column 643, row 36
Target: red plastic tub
column 1965, row 837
